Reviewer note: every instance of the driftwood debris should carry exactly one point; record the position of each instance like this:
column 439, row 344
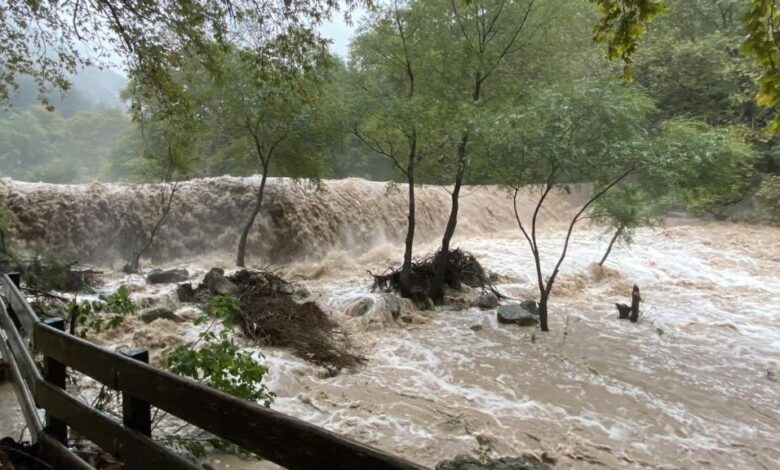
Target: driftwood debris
column 270, row 315
column 45, row 274
column 462, row 269
column 631, row 313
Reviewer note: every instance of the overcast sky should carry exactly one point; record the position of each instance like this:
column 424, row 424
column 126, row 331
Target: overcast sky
column 338, row 31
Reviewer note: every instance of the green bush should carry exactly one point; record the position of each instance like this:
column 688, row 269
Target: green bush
column 215, row 359
column 96, row 316
column 768, row 197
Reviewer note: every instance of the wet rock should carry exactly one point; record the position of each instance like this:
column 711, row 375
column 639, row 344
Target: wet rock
column 387, row 310
column 413, row 318
column 152, row 314
column 167, row 276
column 189, row 312
column 517, row 315
column 422, row 301
column 393, row 305
column 300, row 292
column 360, row 308
column 467, row 462
column 476, row 327
column 623, row 311
column 530, row 306
column 487, row 301
column 186, row 293
column 216, row 282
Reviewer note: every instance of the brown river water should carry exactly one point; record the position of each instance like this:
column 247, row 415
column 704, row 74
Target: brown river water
column 694, row 384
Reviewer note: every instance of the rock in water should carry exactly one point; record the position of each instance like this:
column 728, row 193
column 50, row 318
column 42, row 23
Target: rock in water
column 531, row 306
column 487, row 301
column 467, row 462
column 186, row 293
column 152, row 314
column 623, row 311
column 360, row 308
column 216, row 282
column 422, row 301
column 167, row 276
column 517, row 315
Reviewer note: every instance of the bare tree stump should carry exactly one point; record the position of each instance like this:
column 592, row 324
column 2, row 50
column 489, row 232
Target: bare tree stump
column 631, row 313
column 635, row 299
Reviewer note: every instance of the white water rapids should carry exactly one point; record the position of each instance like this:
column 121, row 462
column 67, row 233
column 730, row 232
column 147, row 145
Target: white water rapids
column 694, row 384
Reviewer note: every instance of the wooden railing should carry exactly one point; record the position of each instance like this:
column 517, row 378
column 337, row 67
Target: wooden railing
column 277, row 437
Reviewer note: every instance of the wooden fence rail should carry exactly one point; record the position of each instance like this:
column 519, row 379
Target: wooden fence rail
column 277, row 437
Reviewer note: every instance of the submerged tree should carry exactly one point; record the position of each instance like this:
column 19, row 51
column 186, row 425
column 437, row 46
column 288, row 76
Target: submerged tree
column 275, row 122
column 475, row 39
column 624, row 210
column 387, row 109
column 166, row 145
column 590, row 134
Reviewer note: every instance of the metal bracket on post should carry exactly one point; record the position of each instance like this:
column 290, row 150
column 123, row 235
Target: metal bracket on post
column 137, row 414
column 54, row 372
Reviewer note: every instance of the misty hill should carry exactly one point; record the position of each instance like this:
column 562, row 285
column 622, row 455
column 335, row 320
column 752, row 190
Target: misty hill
column 92, row 89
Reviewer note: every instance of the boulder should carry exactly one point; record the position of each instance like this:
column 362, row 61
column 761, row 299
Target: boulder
column 152, row 314
column 467, row 462
column 167, row 276
column 516, row 314
column 216, row 282
column 487, row 301
column 186, row 293
column 360, row 308
column 531, row 306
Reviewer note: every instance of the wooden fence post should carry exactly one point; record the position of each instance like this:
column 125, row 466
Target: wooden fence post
column 137, row 414
column 54, row 373
column 16, row 278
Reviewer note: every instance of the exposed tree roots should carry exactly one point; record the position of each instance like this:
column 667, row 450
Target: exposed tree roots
column 271, row 316
column 462, row 269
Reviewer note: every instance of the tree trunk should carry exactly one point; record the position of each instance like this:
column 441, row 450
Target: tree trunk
column 611, row 243
column 440, row 267
column 241, row 256
column 635, row 299
column 406, row 269
column 134, row 265
column 545, row 296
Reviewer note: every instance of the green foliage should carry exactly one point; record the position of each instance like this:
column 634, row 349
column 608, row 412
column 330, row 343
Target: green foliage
column 622, row 23
column 215, row 359
column 762, row 21
column 49, row 40
column 5, row 218
column 703, row 166
column 38, row 145
column 691, row 66
column 96, row 316
column 585, row 131
column 629, row 207
column 769, row 198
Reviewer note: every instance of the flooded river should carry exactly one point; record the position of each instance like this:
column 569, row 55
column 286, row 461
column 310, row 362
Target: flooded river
column 694, row 384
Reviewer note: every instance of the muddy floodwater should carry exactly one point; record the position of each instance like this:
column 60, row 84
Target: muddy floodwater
column 694, row 384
